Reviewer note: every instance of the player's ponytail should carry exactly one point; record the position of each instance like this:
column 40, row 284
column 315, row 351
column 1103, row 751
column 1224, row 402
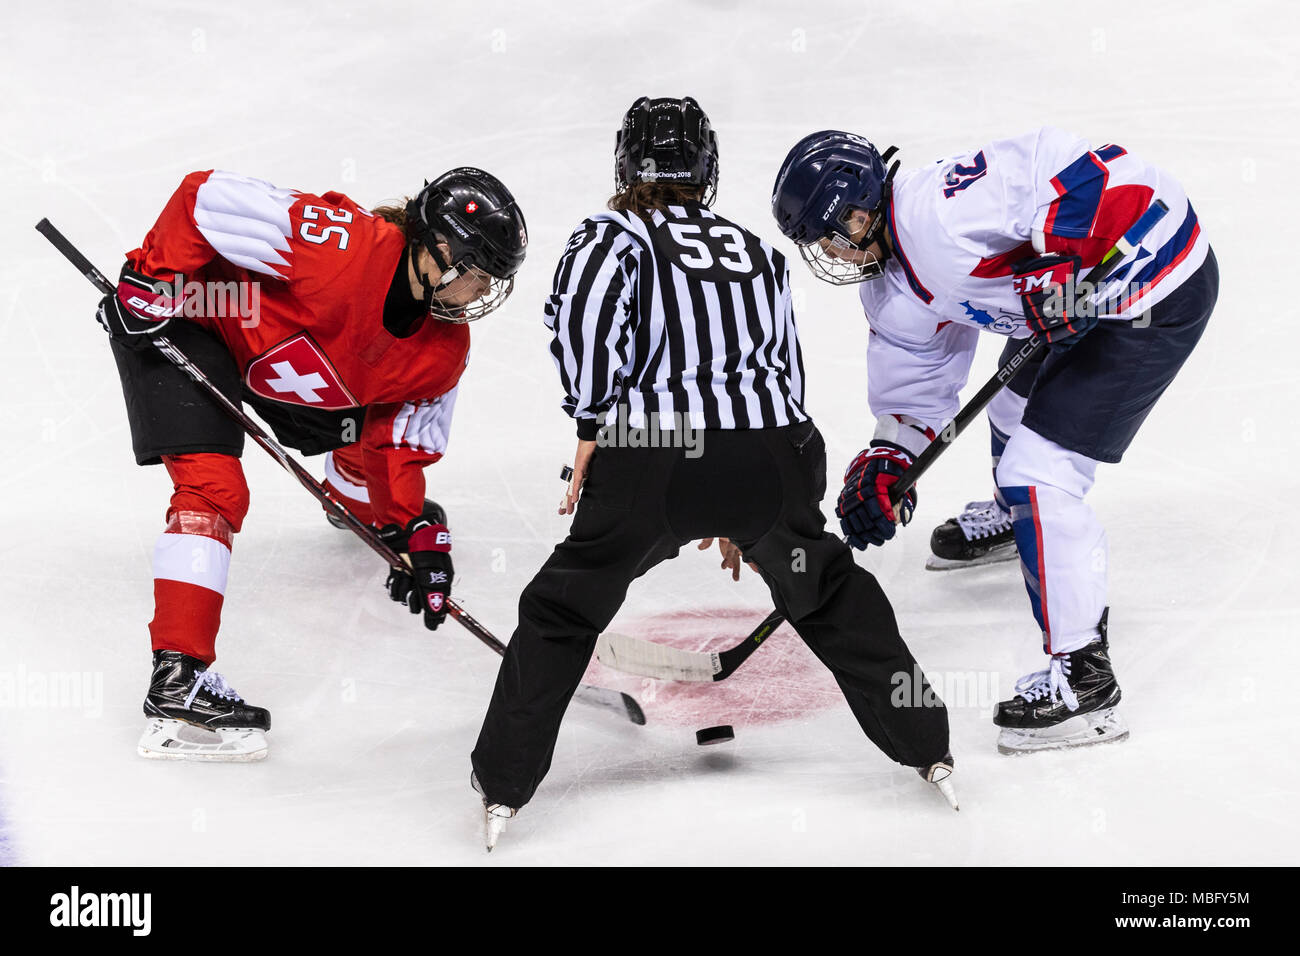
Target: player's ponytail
column 394, row 213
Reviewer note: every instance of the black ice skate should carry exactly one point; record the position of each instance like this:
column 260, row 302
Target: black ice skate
column 1071, row 704
column 430, row 508
column 940, row 774
column 195, row 715
column 981, row 534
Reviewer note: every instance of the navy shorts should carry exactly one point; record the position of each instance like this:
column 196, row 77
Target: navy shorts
column 1093, row 398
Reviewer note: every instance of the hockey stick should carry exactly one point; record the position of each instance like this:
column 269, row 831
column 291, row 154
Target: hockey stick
column 636, row 655
column 599, row 696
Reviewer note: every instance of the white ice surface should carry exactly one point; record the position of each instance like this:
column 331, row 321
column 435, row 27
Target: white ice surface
column 106, row 106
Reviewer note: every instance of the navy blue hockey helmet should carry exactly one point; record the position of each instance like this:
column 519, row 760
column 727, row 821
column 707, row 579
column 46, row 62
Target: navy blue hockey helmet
column 826, row 176
column 667, row 140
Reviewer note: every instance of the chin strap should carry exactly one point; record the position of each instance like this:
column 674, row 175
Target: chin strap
column 879, row 215
column 447, row 273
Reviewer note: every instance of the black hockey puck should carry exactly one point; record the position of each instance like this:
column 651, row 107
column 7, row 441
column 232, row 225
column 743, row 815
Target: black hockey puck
column 566, row 473
column 715, row 735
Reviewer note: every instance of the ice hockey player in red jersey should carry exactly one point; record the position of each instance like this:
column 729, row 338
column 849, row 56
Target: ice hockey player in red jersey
column 345, row 330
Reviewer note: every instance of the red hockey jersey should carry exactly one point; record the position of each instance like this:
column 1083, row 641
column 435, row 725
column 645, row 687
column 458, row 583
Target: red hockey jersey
column 294, row 284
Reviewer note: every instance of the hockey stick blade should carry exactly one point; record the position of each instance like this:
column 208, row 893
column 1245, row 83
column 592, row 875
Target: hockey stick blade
column 636, row 655
column 613, row 700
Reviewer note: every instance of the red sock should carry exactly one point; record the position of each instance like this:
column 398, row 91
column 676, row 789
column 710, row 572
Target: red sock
column 190, row 563
column 192, row 556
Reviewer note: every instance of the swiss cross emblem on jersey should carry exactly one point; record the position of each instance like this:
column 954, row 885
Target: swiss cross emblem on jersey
column 297, row 372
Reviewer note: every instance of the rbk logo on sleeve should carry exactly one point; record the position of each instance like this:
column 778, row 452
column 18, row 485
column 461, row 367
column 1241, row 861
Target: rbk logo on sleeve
column 297, row 372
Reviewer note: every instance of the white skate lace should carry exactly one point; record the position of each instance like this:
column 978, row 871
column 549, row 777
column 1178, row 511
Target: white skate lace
column 215, row 683
column 981, row 519
column 1053, row 682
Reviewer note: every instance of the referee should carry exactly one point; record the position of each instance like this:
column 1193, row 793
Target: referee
column 674, row 333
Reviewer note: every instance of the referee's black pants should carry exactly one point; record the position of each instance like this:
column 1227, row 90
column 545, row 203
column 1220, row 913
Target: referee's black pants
column 761, row 489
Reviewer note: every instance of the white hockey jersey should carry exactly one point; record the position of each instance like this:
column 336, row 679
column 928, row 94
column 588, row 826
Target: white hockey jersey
column 959, row 225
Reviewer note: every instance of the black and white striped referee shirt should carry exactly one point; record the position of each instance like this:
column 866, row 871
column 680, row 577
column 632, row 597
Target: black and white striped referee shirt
column 686, row 316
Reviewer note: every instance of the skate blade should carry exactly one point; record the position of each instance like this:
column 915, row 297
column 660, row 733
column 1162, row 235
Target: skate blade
column 1099, row 727
column 494, row 824
column 945, row 788
column 165, row 739
column 1003, row 552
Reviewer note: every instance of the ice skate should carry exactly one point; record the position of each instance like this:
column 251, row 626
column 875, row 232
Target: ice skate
column 195, row 715
column 940, row 774
column 981, row 534
column 1071, row 704
column 495, row 816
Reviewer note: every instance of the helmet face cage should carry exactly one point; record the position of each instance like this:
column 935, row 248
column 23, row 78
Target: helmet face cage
column 498, row 291
column 670, row 141
column 836, row 269
column 831, row 263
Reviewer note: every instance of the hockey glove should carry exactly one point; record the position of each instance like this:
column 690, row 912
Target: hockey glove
column 1054, row 310
column 864, row 509
column 139, row 310
column 866, row 513
column 426, row 546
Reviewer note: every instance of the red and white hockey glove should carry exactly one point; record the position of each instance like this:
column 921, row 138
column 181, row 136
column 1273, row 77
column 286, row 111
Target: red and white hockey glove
column 426, row 545
column 1053, row 308
column 140, row 309
column 866, row 513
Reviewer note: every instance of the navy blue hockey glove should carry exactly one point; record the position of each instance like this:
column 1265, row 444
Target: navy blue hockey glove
column 864, row 509
column 866, row 512
column 1054, row 310
column 139, row 310
column 426, row 545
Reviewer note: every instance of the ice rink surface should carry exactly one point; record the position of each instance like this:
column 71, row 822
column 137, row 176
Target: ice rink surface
column 107, row 106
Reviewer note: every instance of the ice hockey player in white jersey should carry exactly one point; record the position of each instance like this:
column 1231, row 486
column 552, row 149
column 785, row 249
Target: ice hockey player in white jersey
column 994, row 240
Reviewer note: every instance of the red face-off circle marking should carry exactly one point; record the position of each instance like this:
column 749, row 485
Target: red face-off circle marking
column 781, row 681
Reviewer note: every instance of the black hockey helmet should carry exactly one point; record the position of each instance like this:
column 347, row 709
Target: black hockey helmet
column 476, row 216
column 667, row 140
